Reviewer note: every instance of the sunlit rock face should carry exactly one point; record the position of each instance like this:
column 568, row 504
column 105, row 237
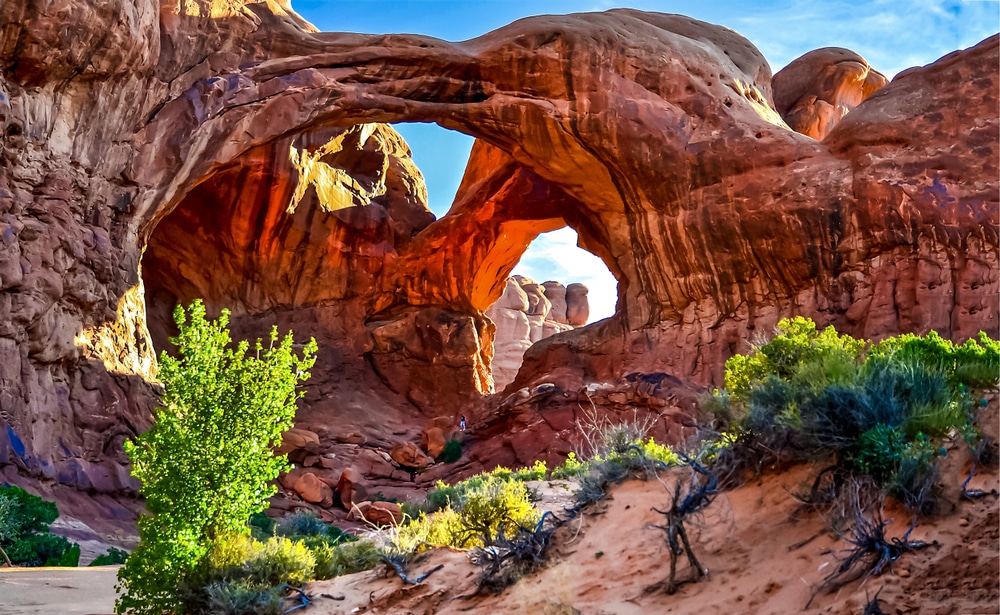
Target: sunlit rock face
column 655, row 137
column 814, row 92
column 528, row 312
column 234, row 242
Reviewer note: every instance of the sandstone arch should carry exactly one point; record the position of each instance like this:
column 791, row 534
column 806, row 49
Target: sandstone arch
column 654, row 136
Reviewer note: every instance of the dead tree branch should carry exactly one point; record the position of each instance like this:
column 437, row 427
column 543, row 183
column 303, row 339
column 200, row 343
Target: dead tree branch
column 397, row 564
column 701, row 491
column 504, row 559
column 871, row 551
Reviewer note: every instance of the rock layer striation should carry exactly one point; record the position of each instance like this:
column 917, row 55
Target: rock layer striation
column 656, row 137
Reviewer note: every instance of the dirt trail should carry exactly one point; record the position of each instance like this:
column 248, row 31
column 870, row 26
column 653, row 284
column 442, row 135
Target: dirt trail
column 58, row 591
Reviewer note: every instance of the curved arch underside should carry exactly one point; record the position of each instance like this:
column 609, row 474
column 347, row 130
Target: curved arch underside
column 658, row 137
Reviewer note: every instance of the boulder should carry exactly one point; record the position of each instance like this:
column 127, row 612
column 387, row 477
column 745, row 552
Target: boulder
column 384, row 513
column 555, row 292
column 577, row 306
column 311, row 489
column 358, row 510
column 815, row 91
column 409, row 455
column 351, row 488
column 296, row 438
column 432, row 441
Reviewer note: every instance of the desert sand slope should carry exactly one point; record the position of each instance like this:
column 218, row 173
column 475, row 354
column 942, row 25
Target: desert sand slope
column 612, row 561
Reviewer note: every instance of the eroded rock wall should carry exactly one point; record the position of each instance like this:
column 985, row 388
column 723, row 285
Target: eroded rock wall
column 656, row 137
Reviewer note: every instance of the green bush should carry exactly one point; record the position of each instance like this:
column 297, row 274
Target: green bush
column 43, row 550
column 650, row 449
column 452, row 451
column 112, row 557
column 497, row 502
column 301, row 523
column 481, row 505
column 206, row 464
column 243, row 571
column 442, row 496
column 876, row 407
column 347, row 558
column 227, row 557
column 242, row 598
column 24, row 531
column 537, row 471
column 570, row 468
column 280, row 560
column 261, row 526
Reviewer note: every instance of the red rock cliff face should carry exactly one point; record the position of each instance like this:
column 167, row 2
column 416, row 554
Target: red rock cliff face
column 654, row 136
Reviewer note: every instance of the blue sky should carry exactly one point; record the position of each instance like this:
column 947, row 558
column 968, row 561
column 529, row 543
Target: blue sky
column 891, row 34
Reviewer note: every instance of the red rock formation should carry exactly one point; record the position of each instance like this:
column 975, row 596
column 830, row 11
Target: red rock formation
column 526, row 313
column 577, row 306
column 314, row 490
column 384, row 513
column 653, row 136
column 351, row 488
column 816, row 91
column 409, row 455
column 233, row 242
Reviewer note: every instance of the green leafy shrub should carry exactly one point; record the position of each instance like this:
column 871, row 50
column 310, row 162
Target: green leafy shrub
column 227, row 556
column 112, row 557
column 242, row 598
column 482, row 504
column 442, row 496
column 24, row 531
column 452, row 451
column 537, row 471
column 245, row 570
column 44, row 550
column 613, row 450
column 878, row 408
column 570, row 468
column 239, row 573
column 497, row 502
column 301, row 523
column 280, row 560
column 346, row 558
column 261, row 526
column 207, row 462
column 794, row 354
column 650, row 449
column 437, row 499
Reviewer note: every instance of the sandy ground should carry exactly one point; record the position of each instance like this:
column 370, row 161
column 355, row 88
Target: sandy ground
column 764, row 553
column 58, row 591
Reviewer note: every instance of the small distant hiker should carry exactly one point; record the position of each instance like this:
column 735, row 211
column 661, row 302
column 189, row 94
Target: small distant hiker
column 461, row 423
